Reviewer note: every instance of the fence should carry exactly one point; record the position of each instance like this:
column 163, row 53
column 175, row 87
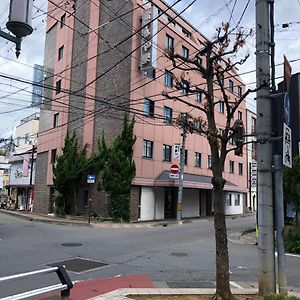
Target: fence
column 65, row 286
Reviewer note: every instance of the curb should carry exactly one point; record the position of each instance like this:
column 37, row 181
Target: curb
column 139, row 224
column 122, row 294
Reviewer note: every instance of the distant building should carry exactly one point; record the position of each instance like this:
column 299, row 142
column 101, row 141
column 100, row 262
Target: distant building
column 37, row 89
column 252, row 162
column 22, row 173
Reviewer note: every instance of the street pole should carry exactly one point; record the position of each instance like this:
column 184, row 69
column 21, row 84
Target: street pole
column 266, row 252
column 31, row 176
column 279, row 223
column 181, row 171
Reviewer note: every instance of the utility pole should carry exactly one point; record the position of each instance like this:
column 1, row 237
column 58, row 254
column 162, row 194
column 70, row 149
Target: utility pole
column 181, row 171
column 266, row 251
column 31, row 173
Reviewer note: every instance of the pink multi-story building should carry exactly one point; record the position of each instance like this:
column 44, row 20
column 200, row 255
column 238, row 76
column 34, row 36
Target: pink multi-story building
column 101, row 64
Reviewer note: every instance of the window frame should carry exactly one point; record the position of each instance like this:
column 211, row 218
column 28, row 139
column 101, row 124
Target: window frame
column 53, row 156
column 56, row 120
column 221, row 107
column 60, row 53
column 185, row 52
column 231, row 167
column 63, row 21
column 149, row 107
column 58, row 86
column 169, row 43
column 240, row 167
column 231, row 86
column 168, row 79
column 197, row 159
column 146, row 144
column 167, row 153
column 209, row 162
column 198, row 96
column 168, row 118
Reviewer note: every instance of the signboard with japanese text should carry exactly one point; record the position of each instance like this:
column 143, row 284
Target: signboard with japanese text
column 287, row 146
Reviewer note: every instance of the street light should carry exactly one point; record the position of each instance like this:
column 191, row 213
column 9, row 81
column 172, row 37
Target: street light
column 19, row 22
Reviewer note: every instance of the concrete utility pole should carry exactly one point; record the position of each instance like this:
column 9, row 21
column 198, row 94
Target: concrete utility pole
column 181, row 170
column 279, row 213
column 264, row 152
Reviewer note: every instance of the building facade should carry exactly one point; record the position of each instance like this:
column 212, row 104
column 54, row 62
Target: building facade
column 23, row 163
column 104, row 59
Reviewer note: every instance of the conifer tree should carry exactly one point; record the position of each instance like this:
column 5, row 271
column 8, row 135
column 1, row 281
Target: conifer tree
column 118, row 168
column 67, row 172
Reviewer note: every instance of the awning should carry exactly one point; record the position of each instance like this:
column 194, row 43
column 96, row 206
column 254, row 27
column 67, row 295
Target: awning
column 190, row 181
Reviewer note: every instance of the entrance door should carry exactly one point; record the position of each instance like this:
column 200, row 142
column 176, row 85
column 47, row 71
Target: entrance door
column 170, row 198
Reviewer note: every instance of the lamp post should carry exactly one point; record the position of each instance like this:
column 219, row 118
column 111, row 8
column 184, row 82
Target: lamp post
column 19, row 22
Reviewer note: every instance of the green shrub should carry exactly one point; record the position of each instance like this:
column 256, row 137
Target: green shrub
column 59, row 206
column 281, row 297
column 292, row 240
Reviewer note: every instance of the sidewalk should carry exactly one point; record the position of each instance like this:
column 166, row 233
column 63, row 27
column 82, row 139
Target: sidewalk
column 79, row 221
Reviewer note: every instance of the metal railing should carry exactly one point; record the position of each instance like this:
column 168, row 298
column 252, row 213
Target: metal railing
column 65, row 286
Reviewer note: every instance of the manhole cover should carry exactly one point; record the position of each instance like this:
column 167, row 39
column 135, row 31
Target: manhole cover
column 190, row 284
column 71, row 244
column 179, row 254
column 78, row 265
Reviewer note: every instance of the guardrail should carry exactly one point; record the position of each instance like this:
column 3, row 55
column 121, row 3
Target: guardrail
column 65, row 286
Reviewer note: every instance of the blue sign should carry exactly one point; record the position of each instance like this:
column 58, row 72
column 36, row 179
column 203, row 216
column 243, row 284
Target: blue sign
column 287, row 109
column 91, row 179
column 37, row 89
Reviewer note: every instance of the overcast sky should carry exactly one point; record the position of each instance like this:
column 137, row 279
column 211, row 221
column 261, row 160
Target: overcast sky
column 203, row 15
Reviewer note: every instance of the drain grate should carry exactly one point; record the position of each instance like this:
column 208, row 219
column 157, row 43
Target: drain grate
column 71, row 244
column 78, row 264
column 179, row 254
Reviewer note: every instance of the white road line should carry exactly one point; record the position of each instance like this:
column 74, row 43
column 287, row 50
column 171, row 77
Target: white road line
column 236, row 285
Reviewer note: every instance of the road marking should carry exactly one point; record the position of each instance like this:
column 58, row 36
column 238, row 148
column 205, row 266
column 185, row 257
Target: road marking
column 236, row 285
column 288, row 254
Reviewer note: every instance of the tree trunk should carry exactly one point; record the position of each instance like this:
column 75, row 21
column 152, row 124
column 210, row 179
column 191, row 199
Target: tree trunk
column 75, row 204
column 222, row 258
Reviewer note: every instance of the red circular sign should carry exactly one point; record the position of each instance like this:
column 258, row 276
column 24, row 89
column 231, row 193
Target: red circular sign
column 174, row 169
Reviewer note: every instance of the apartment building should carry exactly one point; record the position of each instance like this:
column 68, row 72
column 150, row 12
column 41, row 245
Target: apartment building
column 101, row 64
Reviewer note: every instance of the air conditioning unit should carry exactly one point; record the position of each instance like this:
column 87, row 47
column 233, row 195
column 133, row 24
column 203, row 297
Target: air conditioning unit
column 145, row 58
column 146, row 46
column 146, row 32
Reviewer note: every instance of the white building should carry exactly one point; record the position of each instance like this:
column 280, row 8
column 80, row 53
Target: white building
column 22, row 162
column 252, row 164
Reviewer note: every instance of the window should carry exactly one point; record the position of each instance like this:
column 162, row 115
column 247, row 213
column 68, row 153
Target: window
column 231, row 86
column 222, row 81
column 167, row 153
column 198, row 95
column 168, row 78
column 60, row 52
column 208, row 161
column 186, row 33
column 169, row 43
column 240, row 91
column 231, row 166
column 148, row 107
column 62, row 20
column 237, row 201
column 55, row 120
column 58, row 86
column 221, row 107
column 253, row 125
column 148, row 149
column 185, row 88
column 185, row 52
column 240, row 169
column 198, row 60
column 185, row 157
column 26, row 138
column 171, row 21
column 240, row 115
column 53, row 156
column 168, row 114
column 229, row 200
column 197, row 159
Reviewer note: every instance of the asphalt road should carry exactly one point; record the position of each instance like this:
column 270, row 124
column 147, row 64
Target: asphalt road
column 175, row 256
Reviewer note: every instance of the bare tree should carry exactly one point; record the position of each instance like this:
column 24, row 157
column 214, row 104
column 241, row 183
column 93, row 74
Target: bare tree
column 218, row 55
